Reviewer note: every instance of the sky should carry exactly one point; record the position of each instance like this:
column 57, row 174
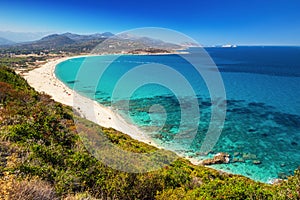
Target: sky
column 209, row 22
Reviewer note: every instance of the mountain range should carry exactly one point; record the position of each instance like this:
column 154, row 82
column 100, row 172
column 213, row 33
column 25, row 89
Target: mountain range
column 4, row 41
column 77, row 37
column 76, row 43
column 23, row 36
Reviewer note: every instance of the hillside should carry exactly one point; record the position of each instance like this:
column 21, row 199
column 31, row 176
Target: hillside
column 42, row 157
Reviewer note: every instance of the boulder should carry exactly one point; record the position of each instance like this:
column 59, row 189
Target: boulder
column 219, row 158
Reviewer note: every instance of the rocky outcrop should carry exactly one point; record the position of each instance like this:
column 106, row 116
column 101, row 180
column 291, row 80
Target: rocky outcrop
column 219, row 158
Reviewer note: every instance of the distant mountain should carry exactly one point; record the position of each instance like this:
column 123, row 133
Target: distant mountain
column 23, row 36
column 132, row 43
column 106, row 34
column 4, row 41
column 76, row 37
column 81, row 38
column 145, row 40
column 151, row 42
column 189, row 44
column 54, row 40
column 50, row 42
column 70, row 42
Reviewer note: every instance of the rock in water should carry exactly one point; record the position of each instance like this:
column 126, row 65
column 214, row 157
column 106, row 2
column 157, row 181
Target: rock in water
column 256, row 162
column 219, row 158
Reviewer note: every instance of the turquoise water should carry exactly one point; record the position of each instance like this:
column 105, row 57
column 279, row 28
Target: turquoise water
column 262, row 127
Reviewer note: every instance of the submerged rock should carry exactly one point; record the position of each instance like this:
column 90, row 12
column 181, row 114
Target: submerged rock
column 219, row 158
column 282, row 175
column 294, row 143
column 256, row 162
column 282, row 165
column 236, row 154
column 251, row 130
column 249, row 156
column 238, row 160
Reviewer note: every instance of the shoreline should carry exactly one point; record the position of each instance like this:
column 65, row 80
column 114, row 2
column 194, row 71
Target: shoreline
column 43, row 79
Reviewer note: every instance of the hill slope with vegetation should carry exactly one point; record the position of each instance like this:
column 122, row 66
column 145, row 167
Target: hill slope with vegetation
column 42, row 157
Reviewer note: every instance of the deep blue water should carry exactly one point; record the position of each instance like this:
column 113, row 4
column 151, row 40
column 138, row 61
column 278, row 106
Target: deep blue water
column 262, row 93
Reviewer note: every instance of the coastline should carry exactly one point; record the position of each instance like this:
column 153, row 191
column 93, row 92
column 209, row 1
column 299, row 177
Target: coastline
column 43, row 79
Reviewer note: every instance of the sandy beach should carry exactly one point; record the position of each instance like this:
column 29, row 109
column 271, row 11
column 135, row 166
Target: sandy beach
column 43, row 79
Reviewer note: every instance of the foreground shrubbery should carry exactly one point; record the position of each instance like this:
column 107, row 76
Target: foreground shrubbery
column 43, row 157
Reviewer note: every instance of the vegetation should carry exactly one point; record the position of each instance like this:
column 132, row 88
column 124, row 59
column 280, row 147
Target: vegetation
column 42, row 157
column 148, row 50
column 22, row 62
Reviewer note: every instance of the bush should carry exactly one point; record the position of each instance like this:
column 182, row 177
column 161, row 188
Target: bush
column 31, row 189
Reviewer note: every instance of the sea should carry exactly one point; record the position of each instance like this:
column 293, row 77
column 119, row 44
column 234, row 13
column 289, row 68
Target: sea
column 173, row 101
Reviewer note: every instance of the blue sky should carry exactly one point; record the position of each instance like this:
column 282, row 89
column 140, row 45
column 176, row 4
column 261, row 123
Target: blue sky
column 207, row 21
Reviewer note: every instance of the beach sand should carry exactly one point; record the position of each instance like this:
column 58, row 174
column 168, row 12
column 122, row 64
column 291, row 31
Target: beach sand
column 43, row 79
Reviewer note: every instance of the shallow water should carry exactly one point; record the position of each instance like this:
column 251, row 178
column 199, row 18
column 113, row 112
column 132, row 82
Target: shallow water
column 262, row 127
